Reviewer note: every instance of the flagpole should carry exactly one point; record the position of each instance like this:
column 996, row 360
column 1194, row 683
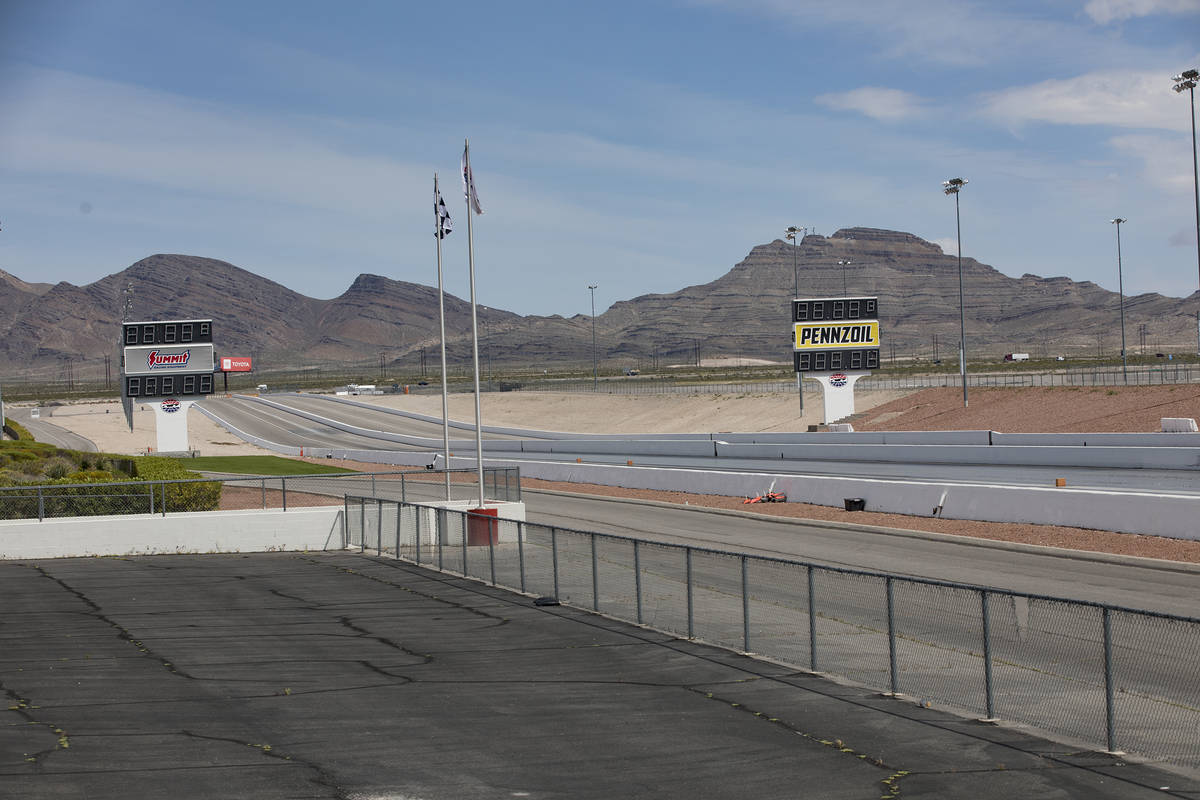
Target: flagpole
column 474, row 325
column 437, row 222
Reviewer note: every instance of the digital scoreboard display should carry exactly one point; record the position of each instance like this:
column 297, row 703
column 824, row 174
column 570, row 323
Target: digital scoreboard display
column 191, row 331
column 835, row 333
column 168, row 385
column 831, row 309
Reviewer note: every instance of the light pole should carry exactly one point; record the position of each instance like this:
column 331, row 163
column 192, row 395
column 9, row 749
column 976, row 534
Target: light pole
column 1187, row 80
column 595, row 367
column 1121, row 288
column 953, row 186
column 794, row 233
column 843, row 263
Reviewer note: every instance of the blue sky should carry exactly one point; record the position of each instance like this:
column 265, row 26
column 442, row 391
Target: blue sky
column 641, row 146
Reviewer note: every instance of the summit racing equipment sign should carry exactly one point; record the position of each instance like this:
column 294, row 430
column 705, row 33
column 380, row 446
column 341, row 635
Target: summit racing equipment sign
column 833, row 335
column 168, row 358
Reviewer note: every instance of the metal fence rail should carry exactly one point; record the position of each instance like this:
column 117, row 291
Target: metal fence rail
column 1113, row 678
column 1108, row 376
column 261, row 492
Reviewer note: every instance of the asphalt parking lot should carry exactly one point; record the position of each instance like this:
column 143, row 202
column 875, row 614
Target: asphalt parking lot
column 292, row 675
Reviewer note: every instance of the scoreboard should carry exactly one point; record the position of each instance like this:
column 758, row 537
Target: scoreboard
column 172, row 358
column 835, row 333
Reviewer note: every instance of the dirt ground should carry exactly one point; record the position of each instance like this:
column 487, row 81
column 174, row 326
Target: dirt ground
column 1045, row 410
column 1059, row 409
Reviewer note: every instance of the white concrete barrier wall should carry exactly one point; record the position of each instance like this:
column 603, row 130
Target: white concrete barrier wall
column 149, row 534
column 1143, row 512
column 1141, row 457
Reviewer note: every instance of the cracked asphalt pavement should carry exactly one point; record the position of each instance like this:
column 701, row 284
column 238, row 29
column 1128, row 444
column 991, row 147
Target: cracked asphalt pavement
column 292, row 675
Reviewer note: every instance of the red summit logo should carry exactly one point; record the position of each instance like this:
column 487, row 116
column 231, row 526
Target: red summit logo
column 170, row 405
column 837, row 379
column 157, row 360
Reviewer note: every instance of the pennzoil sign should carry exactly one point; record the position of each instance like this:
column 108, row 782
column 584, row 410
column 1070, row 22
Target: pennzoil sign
column 832, row 335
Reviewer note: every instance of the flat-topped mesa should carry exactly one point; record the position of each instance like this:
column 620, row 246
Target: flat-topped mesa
column 892, row 242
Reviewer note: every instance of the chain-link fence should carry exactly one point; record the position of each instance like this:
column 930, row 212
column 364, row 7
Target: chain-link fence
column 1111, row 678
column 1106, row 376
column 258, row 492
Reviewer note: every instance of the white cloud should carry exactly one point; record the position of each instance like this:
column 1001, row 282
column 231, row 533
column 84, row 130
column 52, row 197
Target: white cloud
column 883, row 104
column 1120, row 99
column 1106, row 11
column 1166, row 162
column 949, row 245
column 71, row 124
column 952, row 32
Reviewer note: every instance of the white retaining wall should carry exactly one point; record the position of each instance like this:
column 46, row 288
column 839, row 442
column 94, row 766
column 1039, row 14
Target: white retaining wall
column 149, row 534
column 1128, row 512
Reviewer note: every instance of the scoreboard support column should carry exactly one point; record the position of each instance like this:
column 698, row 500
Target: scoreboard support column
column 170, row 421
column 838, row 391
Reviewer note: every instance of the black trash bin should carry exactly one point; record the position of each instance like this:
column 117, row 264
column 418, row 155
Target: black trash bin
column 855, row 503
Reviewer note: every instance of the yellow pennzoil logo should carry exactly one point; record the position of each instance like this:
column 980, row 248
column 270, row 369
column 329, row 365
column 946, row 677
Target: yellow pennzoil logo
column 826, row 335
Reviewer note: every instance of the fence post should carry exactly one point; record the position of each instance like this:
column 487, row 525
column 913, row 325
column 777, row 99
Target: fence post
column 164, row 498
column 345, row 517
column 492, row 549
column 441, row 515
column 379, row 527
column 399, row 515
column 403, row 489
column 989, row 688
column 264, row 495
column 690, row 603
column 283, row 491
column 595, row 577
column 521, row 552
column 1110, row 699
column 417, row 510
column 42, row 505
column 362, row 524
column 891, row 620
column 637, row 578
column 466, row 522
column 745, row 607
column 812, row 622
column 373, row 492
column 554, row 554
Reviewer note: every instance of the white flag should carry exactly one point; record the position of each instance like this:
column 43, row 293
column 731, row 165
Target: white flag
column 469, row 182
column 443, row 217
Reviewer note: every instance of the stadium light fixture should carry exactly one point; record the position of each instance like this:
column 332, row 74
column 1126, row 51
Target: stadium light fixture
column 1121, row 288
column 953, row 186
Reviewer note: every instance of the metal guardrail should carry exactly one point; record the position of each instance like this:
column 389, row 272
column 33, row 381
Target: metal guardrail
column 1111, row 376
column 210, row 494
column 1113, row 678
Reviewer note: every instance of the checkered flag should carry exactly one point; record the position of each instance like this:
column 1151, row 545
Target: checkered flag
column 444, row 226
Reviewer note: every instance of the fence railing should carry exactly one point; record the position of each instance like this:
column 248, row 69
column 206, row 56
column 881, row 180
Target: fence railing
column 1113, row 678
column 211, row 494
column 1107, row 376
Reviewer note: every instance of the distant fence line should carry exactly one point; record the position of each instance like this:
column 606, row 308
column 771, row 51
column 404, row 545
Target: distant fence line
column 458, row 382
column 1116, row 678
column 1144, row 376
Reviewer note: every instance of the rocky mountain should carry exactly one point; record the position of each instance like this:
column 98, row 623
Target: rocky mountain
column 743, row 313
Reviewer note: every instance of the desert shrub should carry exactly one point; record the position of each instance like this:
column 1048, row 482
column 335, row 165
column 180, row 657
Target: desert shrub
column 58, row 468
column 191, row 496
